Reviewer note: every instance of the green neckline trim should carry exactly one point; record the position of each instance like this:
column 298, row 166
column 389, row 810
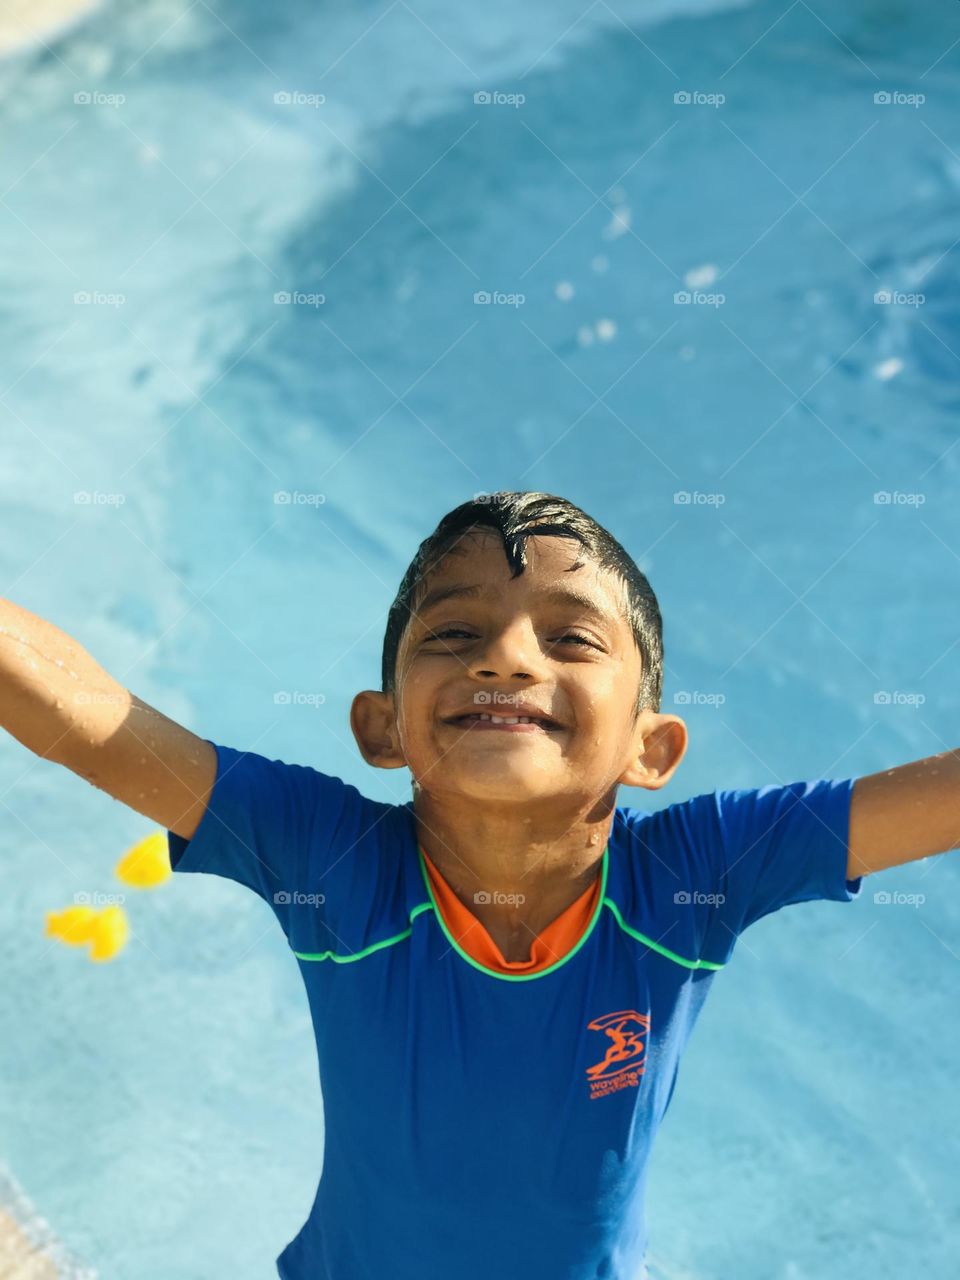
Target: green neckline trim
column 603, row 901
column 655, row 946
column 367, row 951
column 519, row 977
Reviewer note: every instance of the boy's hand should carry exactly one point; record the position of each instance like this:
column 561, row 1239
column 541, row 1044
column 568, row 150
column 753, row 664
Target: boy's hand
column 56, row 700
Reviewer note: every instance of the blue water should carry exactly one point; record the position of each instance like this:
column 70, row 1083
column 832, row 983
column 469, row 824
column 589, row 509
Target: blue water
column 163, row 1111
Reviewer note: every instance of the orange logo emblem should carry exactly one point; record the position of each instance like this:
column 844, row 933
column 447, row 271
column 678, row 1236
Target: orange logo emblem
column 623, row 1063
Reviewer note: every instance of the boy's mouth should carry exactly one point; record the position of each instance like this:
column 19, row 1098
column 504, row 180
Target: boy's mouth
column 483, row 720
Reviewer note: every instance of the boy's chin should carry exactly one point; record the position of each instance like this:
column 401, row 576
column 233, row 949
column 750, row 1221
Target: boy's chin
column 501, row 784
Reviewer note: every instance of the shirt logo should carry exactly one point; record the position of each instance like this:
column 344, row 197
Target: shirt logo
column 623, row 1064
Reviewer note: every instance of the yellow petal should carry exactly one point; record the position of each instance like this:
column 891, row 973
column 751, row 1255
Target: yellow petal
column 72, row 925
column 110, row 933
column 147, row 864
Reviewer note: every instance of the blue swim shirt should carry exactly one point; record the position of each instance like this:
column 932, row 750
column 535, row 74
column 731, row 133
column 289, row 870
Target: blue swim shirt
column 481, row 1124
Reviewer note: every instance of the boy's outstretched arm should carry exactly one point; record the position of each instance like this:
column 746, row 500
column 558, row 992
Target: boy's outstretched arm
column 56, row 700
column 903, row 814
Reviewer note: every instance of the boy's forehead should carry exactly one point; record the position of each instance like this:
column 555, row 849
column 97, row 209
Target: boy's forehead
column 478, row 568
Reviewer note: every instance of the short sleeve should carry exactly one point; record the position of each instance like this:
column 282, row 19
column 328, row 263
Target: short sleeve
column 774, row 846
column 276, row 828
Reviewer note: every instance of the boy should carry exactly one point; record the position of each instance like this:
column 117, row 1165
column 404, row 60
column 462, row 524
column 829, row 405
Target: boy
column 503, row 972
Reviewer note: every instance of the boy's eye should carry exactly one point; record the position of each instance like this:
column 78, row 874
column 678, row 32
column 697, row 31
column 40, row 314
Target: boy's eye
column 459, row 631
column 450, row 631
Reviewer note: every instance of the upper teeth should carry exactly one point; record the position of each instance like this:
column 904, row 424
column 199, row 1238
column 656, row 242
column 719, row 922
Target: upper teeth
column 482, row 715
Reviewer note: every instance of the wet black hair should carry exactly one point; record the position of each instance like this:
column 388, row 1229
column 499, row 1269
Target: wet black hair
column 517, row 516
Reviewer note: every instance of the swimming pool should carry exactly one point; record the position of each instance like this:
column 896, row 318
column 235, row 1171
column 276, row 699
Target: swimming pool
column 163, row 1111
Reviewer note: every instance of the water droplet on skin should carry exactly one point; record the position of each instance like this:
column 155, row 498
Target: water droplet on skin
column 143, row 759
column 154, row 790
column 59, row 704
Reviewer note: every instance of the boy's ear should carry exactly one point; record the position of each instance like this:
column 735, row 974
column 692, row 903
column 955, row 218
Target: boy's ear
column 374, row 725
column 662, row 745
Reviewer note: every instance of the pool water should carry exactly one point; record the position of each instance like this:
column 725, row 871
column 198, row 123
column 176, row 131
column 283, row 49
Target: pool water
column 282, row 298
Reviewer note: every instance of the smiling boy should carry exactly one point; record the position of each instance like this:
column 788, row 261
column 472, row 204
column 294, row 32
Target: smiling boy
column 504, row 971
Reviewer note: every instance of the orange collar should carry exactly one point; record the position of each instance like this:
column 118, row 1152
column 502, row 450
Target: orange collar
column 558, row 938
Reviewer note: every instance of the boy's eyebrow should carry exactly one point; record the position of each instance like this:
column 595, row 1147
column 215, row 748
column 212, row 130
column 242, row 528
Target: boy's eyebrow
column 559, row 595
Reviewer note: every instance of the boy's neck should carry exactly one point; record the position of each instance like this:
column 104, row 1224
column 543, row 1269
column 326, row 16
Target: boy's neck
column 529, row 882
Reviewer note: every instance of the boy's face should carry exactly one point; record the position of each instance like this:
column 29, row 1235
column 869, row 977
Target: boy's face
column 555, row 640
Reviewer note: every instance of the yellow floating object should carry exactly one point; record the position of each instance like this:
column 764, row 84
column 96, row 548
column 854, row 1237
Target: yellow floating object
column 72, row 925
column 107, row 930
column 110, row 933
column 147, row 864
